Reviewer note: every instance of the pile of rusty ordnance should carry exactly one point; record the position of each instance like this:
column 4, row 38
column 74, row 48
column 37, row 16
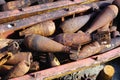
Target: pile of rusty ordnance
column 57, row 35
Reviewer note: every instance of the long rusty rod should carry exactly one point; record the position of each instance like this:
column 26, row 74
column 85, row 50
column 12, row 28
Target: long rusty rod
column 26, row 22
column 13, row 15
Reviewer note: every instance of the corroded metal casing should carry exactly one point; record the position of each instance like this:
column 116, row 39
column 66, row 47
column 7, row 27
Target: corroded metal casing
column 46, row 28
column 16, row 58
column 19, row 70
column 73, row 39
column 106, row 16
column 87, row 50
column 74, row 24
column 41, row 43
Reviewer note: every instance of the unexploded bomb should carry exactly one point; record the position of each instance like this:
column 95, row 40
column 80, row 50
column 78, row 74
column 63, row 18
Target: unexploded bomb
column 107, row 15
column 74, row 24
column 46, row 28
column 41, row 43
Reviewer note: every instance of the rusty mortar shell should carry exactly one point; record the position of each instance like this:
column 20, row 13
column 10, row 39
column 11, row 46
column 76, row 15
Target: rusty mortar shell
column 74, row 24
column 53, row 61
column 46, row 28
column 95, row 48
column 18, row 57
column 107, row 15
column 4, row 57
column 41, row 43
column 18, row 70
column 88, row 50
column 5, row 42
column 107, row 73
column 71, row 39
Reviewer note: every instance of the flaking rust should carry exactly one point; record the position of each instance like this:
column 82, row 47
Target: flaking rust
column 9, row 28
column 95, row 48
column 46, row 28
column 16, row 58
column 35, row 10
column 41, row 43
column 73, row 39
column 74, row 24
column 19, row 70
column 106, row 16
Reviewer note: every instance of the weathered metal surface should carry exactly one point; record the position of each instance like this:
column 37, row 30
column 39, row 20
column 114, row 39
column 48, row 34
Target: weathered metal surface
column 106, row 16
column 74, row 24
column 19, row 70
column 72, row 67
column 18, row 4
column 41, row 43
column 9, row 28
column 46, row 28
column 73, row 39
column 35, row 10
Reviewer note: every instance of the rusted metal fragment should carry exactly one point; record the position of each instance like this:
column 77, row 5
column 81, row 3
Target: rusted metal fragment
column 72, row 67
column 9, row 28
column 18, row 4
column 35, row 10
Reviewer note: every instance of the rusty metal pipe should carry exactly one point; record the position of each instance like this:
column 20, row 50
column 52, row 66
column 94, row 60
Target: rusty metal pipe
column 41, row 43
column 35, row 10
column 9, row 28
